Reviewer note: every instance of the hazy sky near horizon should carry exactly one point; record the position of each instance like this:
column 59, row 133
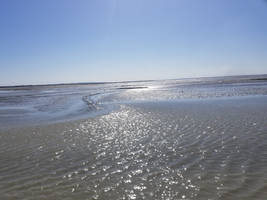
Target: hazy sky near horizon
column 55, row 41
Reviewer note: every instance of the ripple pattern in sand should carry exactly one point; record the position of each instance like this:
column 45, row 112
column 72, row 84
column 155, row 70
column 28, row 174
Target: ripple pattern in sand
column 142, row 151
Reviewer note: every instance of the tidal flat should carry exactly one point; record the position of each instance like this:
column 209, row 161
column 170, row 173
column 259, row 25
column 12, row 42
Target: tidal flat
column 170, row 139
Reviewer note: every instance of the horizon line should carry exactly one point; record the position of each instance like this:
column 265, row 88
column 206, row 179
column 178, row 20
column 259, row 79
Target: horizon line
column 111, row 82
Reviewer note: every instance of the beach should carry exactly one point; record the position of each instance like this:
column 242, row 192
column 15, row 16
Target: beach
column 171, row 139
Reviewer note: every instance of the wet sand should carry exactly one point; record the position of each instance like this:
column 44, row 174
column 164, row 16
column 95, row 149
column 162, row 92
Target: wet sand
column 181, row 149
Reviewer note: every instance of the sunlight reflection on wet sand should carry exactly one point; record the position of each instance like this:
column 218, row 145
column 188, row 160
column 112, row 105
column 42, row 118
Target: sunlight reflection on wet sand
column 165, row 150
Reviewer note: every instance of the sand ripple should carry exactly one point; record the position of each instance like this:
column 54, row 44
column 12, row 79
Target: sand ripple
column 164, row 150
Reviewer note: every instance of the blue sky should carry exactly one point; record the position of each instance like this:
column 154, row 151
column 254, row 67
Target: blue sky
column 55, row 41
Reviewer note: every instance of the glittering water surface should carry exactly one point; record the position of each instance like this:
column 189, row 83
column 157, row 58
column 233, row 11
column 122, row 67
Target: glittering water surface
column 154, row 144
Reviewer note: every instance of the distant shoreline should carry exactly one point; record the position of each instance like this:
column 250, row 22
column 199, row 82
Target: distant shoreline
column 260, row 77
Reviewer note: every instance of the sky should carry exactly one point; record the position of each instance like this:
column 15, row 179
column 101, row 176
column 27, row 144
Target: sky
column 64, row 41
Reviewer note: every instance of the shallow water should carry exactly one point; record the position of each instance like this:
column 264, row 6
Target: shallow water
column 150, row 146
column 34, row 105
